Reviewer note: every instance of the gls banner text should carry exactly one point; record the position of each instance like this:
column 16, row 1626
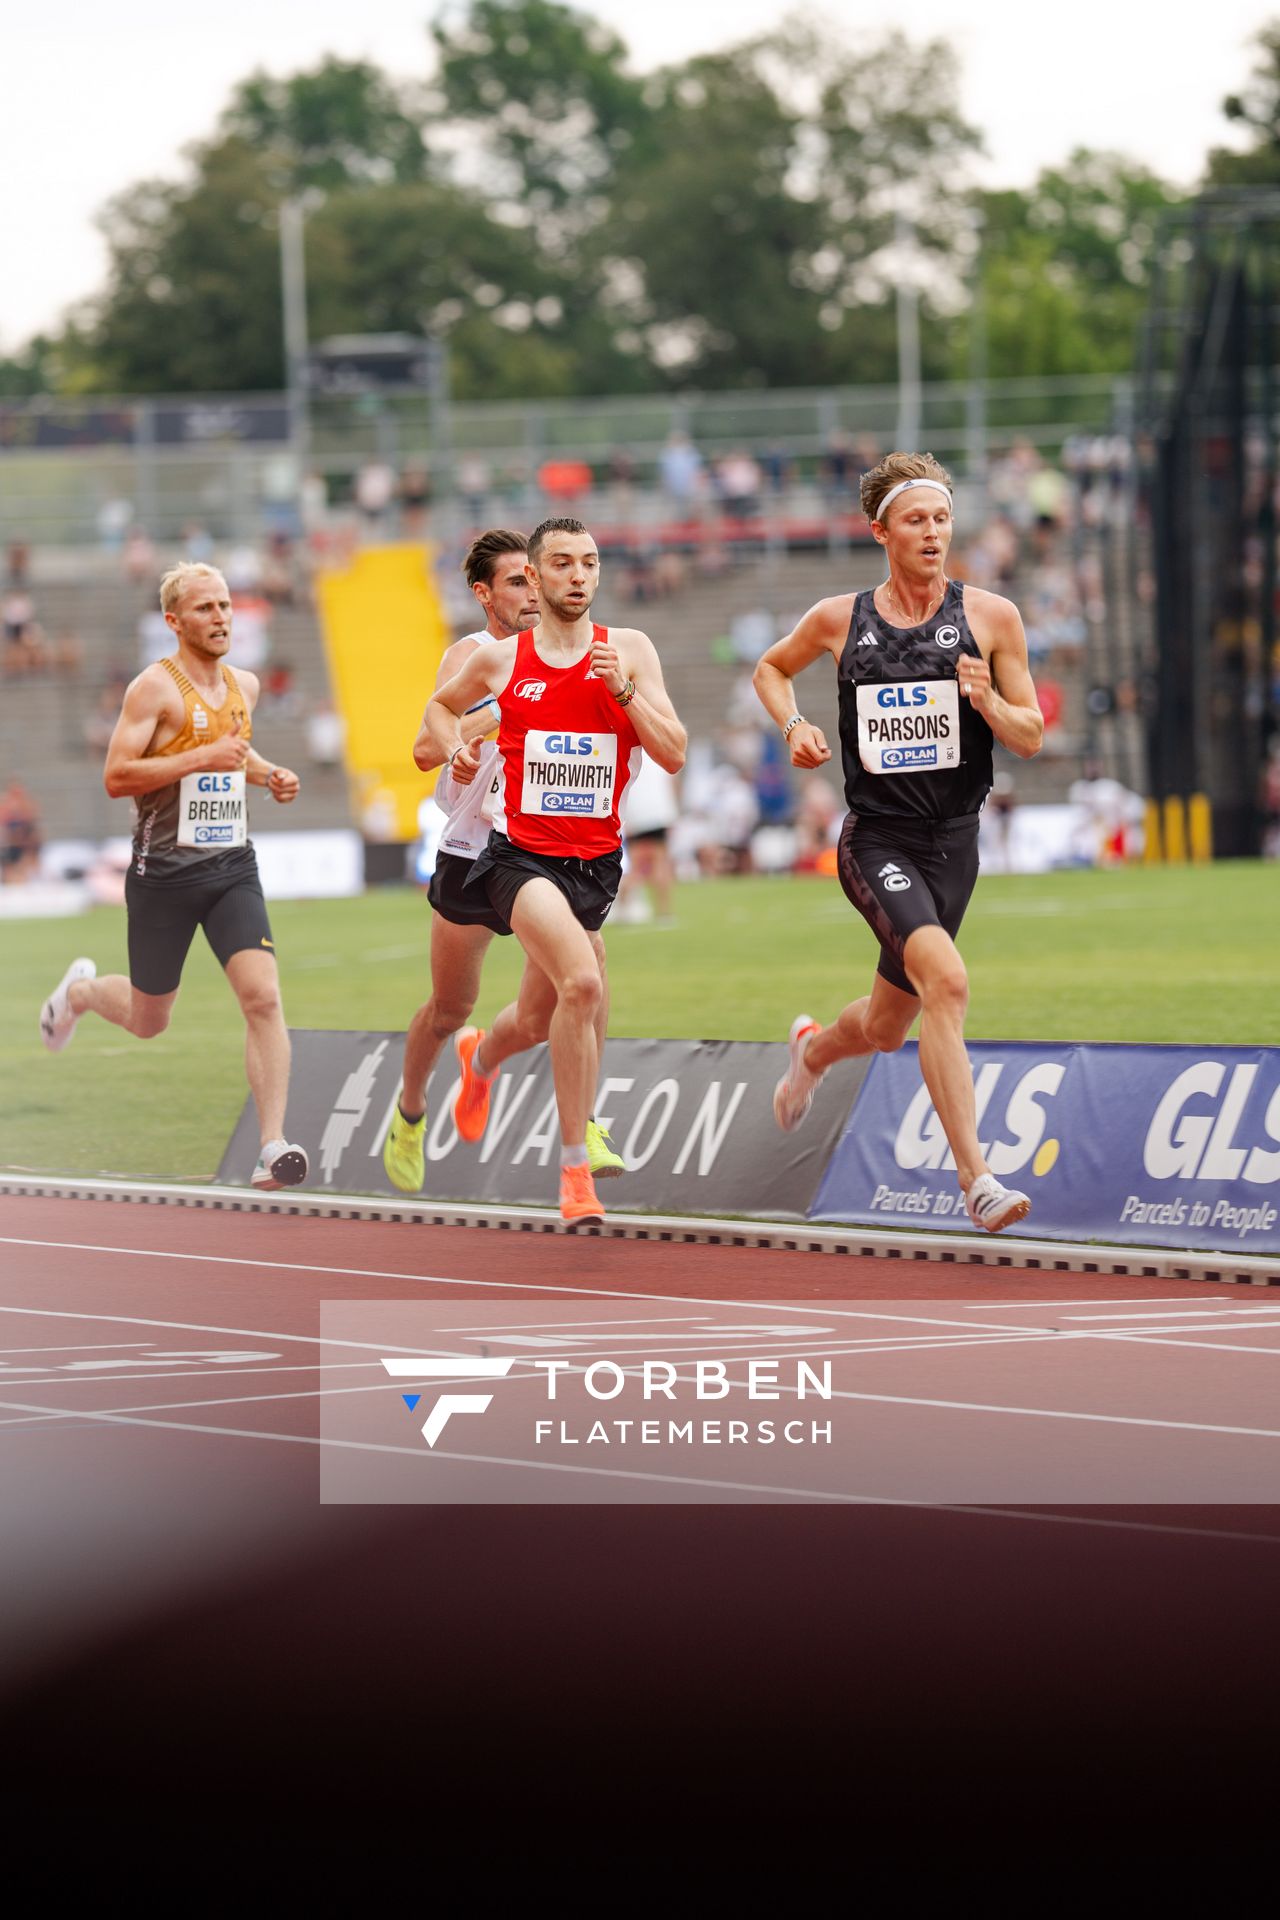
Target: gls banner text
column 1144, row 1146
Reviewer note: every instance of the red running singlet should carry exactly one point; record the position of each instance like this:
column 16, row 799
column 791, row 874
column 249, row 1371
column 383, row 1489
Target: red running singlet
column 567, row 750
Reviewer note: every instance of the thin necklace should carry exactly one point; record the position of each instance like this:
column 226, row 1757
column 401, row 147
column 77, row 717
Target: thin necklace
column 929, row 612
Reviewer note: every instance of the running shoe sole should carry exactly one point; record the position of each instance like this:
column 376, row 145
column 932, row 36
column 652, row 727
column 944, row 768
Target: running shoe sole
column 801, row 1027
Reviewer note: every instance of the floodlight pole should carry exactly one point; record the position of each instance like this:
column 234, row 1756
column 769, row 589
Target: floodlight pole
column 908, row 338
column 293, row 300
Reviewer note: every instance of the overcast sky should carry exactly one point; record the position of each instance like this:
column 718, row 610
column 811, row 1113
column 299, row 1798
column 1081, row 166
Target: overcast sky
column 99, row 93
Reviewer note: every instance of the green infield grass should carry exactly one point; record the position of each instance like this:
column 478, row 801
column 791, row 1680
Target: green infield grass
column 1140, row 954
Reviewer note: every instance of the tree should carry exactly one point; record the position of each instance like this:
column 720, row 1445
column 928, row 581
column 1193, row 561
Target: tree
column 1256, row 109
column 547, row 93
column 1065, row 267
column 343, row 124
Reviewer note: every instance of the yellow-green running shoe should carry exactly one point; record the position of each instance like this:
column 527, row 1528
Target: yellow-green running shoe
column 402, row 1154
column 604, row 1163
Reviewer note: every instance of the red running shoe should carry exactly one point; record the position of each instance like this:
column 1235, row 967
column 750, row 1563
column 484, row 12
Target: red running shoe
column 471, row 1108
column 579, row 1206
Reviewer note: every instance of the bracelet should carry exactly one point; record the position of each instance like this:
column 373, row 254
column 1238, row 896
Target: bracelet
column 453, row 756
column 796, row 720
column 626, row 693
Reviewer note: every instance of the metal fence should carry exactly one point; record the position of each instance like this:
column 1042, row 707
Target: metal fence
column 78, row 472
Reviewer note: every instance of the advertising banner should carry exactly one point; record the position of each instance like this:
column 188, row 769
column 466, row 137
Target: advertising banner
column 1136, row 1146
column 692, row 1119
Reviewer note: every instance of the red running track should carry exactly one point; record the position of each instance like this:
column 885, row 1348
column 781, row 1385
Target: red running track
column 165, row 1539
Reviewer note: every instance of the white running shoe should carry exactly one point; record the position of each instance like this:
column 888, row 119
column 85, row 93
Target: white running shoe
column 793, row 1095
column 991, row 1206
column 279, row 1165
column 57, row 1022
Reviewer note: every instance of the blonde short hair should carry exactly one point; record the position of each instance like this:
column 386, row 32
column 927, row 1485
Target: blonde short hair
column 893, row 468
column 179, row 578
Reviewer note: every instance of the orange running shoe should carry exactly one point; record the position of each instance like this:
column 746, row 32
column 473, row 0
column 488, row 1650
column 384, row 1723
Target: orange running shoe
column 471, row 1108
column 578, row 1204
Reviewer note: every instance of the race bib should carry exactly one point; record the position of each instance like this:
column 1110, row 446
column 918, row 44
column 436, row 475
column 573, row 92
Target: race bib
column 211, row 810
column 569, row 773
column 490, row 800
column 909, row 726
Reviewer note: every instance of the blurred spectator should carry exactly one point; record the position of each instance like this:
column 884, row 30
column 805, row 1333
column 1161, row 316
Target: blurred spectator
column 114, row 516
column 839, row 479
column 565, row 482
column 155, row 638
column 197, row 542
column 19, row 835
column 1269, row 802
column 415, row 500
column 326, row 737
column 1107, row 828
column 778, row 467
column 67, row 653
column 473, row 485
column 997, row 849
column 652, row 809
column 100, row 722
column 242, row 570
column 622, row 479
column 681, row 471
column 277, row 571
column 819, row 816
column 738, row 484
column 375, row 491
column 25, row 651
column 751, row 633
column 17, row 564
column 139, row 557
column 250, row 630
column 313, row 503
column 280, row 697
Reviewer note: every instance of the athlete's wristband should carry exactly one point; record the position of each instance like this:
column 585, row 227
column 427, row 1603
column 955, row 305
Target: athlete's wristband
column 796, row 720
column 626, row 693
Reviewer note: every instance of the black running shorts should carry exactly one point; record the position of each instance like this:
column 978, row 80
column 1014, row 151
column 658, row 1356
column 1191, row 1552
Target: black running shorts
column 448, row 896
column 164, row 915
column 590, row 886
column 905, row 874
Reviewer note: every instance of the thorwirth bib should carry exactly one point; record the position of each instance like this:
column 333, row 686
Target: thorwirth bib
column 911, row 744
column 179, row 829
column 568, row 750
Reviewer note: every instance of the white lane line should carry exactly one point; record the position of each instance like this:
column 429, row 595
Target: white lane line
column 969, row 1510
column 430, row 1279
column 837, row 1393
column 1045, row 1306
column 1250, row 1313
column 1139, row 1338
column 96, row 1346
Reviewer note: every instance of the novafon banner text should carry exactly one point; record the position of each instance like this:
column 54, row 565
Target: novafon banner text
column 693, row 1120
column 1142, row 1146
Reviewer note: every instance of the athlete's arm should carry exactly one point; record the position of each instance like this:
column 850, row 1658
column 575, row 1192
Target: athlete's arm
column 822, row 630
column 129, row 772
column 475, row 725
column 281, row 782
column 650, row 710
column 441, row 735
column 1000, row 684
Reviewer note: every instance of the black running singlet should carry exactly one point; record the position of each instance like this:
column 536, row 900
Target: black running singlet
column 912, row 745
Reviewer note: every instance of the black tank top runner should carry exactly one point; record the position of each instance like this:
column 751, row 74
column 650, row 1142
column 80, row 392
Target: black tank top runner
column 922, row 751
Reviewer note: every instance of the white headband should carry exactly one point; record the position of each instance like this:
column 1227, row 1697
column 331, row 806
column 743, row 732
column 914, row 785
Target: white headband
column 902, row 487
